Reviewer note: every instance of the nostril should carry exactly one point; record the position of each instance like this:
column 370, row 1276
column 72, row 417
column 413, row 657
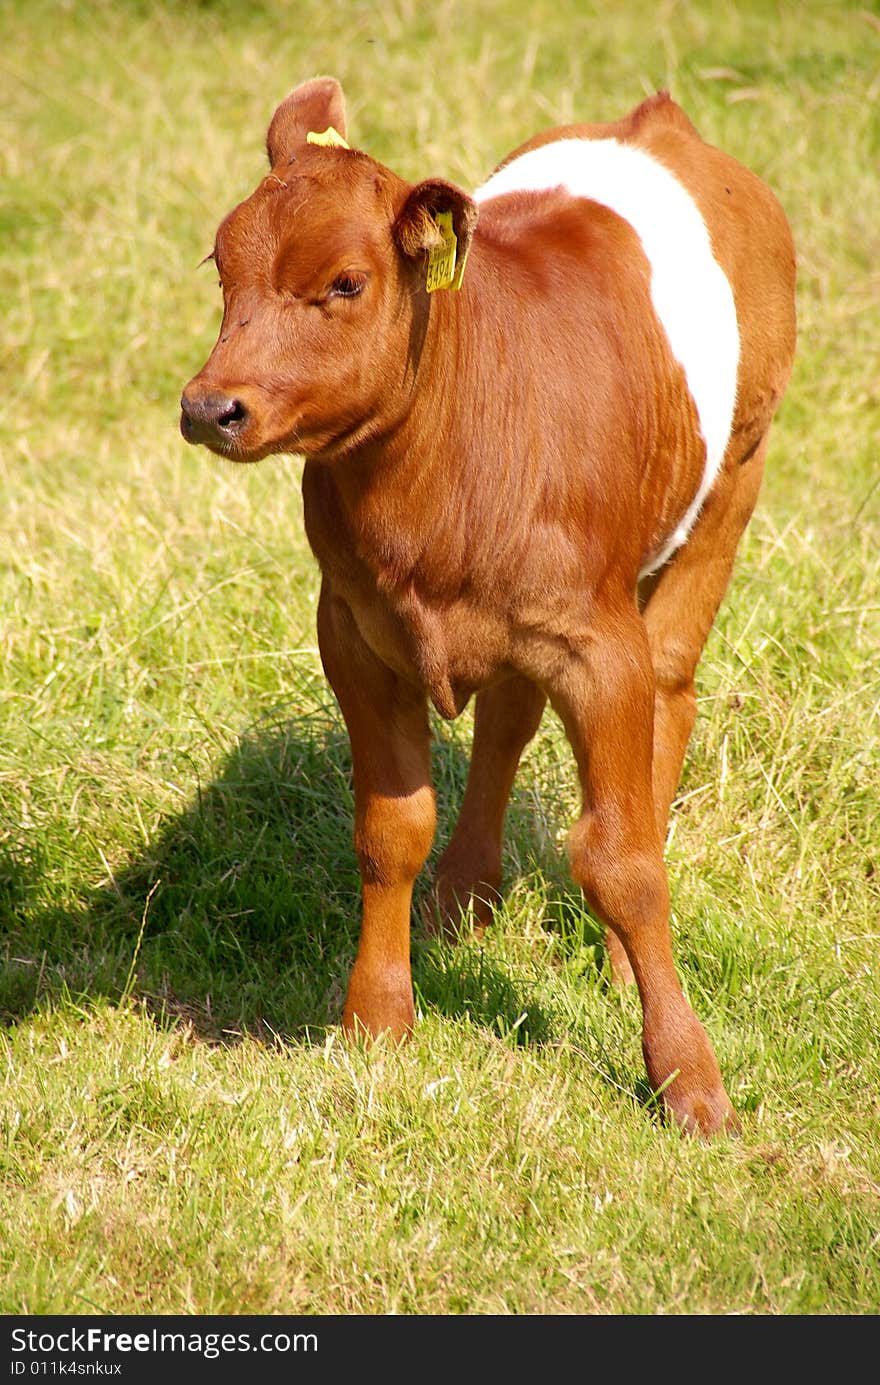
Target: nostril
column 232, row 415
column 211, row 416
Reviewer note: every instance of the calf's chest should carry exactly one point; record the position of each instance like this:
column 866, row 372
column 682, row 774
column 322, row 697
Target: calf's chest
column 448, row 644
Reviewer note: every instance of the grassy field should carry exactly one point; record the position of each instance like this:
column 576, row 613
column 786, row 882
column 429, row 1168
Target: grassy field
column 181, row 1128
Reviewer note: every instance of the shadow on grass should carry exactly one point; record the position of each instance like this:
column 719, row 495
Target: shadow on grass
column 242, row 915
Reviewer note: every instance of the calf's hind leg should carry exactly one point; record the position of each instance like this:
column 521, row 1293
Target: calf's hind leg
column 605, row 700
column 679, row 605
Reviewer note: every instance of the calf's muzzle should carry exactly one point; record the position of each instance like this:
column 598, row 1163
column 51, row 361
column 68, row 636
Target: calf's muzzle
column 210, row 416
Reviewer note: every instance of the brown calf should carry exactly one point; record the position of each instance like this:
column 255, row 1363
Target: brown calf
column 528, row 486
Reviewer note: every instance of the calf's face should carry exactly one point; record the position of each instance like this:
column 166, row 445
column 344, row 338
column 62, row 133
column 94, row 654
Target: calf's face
column 308, row 284
column 324, row 306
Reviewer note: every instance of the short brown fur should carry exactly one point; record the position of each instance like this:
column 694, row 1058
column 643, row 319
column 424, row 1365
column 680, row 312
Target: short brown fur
column 487, row 473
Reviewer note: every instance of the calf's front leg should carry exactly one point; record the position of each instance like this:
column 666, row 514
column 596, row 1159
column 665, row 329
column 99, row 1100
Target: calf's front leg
column 469, row 874
column 387, row 722
column 604, row 694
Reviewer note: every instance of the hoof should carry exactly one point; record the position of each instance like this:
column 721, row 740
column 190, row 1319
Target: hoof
column 457, row 912
column 706, row 1116
column 683, row 1071
column 379, row 1003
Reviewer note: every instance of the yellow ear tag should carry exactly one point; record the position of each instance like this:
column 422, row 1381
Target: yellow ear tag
column 441, row 260
column 329, row 138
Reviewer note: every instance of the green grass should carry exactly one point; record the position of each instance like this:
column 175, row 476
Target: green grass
column 181, row 1129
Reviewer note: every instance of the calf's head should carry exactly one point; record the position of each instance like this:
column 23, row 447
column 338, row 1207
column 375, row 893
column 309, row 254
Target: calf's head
column 325, row 305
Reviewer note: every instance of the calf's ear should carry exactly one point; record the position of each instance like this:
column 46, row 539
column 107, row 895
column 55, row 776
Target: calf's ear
column 313, row 106
column 416, row 229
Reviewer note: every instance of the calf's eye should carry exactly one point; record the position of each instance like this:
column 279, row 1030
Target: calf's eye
column 348, row 285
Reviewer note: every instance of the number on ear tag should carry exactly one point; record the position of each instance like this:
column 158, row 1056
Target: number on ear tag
column 441, row 260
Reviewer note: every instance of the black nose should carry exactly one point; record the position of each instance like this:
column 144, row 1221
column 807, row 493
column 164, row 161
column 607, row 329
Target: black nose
column 211, row 417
